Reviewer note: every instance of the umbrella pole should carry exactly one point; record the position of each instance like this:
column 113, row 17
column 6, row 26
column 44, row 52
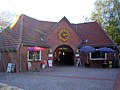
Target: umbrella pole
column 106, row 56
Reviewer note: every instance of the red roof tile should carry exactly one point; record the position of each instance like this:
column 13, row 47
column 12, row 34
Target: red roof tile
column 34, row 31
column 94, row 34
column 29, row 31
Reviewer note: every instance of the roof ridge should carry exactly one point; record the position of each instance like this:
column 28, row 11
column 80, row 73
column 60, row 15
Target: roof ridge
column 86, row 23
column 36, row 19
column 21, row 28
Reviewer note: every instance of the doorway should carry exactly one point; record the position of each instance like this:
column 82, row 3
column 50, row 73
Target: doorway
column 63, row 55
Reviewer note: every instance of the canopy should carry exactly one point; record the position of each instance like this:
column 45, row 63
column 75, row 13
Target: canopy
column 87, row 49
column 36, row 48
column 106, row 50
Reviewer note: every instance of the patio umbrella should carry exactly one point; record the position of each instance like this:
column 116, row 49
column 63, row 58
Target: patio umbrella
column 106, row 50
column 87, row 49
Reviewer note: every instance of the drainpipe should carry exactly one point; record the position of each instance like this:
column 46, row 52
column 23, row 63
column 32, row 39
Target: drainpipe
column 20, row 40
column 20, row 57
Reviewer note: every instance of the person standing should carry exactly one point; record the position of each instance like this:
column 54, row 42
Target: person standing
column 78, row 62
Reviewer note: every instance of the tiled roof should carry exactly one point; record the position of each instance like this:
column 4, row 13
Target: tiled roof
column 9, row 38
column 29, row 31
column 34, row 31
column 94, row 34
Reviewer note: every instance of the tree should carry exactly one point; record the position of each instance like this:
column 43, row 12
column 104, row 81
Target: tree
column 5, row 19
column 106, row 13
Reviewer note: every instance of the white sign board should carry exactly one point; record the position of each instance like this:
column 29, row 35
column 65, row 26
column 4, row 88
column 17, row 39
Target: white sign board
column 9, row 67
column 50, row 63
column 50, row 55
column 29, row 66
column 77, row 55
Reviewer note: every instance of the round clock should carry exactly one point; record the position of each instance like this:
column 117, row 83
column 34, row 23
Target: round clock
column 64, row 35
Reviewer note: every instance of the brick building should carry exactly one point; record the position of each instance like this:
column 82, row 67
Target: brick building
column 33, row 41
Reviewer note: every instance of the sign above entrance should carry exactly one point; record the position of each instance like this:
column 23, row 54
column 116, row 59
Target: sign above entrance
column 64, row 35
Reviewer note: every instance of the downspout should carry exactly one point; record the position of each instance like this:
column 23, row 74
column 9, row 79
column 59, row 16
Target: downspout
column 21, row 45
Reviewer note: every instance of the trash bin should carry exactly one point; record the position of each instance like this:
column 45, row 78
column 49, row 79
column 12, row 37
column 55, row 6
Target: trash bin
column 105, row 64
column 43, row 64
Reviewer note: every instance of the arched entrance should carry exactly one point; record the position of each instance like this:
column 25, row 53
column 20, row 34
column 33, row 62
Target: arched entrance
column 63, row 55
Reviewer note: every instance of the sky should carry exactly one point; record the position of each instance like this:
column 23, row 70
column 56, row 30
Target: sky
column 50, row 10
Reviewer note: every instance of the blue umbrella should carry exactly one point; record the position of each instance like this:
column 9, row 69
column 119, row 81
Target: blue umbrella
column 87, row 49
column 106, row 50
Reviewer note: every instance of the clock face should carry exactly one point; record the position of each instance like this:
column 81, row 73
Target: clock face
column 64, row 35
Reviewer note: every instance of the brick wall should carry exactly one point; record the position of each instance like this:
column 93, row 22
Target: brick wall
column 54, row 40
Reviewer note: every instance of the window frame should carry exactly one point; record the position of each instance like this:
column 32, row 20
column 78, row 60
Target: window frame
column 90, row 54
column 28, row 55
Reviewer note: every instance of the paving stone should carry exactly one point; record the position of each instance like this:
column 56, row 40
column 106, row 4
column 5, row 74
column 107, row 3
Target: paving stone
column 62, row 78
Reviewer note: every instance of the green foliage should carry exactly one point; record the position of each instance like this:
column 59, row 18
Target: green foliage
column 5, row 19
column 107, row 13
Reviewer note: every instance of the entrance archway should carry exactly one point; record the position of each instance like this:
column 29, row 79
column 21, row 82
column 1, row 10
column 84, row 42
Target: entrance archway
column 63, row 55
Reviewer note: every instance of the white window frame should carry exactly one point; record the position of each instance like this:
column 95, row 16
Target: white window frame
column 90, row 54
column 40, row 58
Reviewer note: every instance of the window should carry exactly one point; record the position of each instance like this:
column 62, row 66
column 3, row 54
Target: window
column 98, row 56
column 34, row 55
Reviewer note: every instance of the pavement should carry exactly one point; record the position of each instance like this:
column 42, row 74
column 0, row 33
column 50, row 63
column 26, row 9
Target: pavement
column 63, row 78
column 116, row 85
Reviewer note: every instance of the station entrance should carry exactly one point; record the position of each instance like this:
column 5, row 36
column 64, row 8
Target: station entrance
column 63, row 55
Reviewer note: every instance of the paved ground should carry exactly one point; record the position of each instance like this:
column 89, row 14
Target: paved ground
column 64, row 78
column 117, row 82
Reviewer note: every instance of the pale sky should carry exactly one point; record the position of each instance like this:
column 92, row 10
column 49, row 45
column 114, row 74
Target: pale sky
column 50, row 10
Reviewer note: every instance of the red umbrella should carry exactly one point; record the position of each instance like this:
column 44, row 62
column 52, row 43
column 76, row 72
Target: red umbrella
column 36, row 48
